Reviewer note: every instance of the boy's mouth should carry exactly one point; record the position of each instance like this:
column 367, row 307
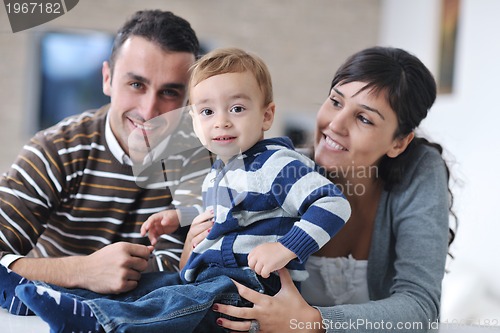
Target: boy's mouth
column 224, row 138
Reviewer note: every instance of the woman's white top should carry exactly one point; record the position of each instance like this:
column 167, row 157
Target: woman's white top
column 334, row 281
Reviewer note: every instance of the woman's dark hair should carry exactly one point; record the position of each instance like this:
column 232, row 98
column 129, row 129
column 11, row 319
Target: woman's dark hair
column 170, row 32
column 410, row 89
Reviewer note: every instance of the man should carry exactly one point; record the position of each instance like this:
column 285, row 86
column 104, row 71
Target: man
column 70, row 207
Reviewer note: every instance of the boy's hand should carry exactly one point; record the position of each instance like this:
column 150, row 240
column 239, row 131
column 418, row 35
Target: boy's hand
column 269, row 257
column 160, row 223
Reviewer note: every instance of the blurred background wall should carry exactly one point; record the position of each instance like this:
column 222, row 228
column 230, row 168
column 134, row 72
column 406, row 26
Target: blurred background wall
column 303, row 42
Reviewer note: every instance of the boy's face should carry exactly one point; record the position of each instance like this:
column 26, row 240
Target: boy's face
column 229, row 114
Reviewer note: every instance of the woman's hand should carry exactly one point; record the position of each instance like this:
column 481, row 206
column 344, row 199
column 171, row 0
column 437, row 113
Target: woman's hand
column 197, row 232
column 284, row 312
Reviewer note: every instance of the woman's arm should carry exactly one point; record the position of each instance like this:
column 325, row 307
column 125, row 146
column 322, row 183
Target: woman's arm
column 408, row 255
column 197, row 232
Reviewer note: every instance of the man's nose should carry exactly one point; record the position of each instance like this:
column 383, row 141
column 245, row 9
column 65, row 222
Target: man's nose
column 149, row 107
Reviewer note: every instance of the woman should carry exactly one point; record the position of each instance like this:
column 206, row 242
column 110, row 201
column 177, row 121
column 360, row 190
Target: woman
column 383, row 270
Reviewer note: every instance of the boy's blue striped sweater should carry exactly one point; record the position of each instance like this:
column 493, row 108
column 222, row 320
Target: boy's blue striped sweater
column 271, row 193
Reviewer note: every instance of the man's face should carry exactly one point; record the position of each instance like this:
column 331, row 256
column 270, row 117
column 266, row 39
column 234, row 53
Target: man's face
column 146, row 82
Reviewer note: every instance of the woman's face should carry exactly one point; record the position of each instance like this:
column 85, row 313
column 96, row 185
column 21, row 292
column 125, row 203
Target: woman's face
column 354, row 130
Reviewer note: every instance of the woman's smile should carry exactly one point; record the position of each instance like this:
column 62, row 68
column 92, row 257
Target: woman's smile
column 330, row 143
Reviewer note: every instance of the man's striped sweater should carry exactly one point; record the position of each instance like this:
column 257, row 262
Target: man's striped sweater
column 271, row 193
column 66, row 194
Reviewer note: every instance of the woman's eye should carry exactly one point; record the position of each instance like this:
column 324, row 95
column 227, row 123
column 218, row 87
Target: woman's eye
column 335, row 103
column 364, row 120
column 237, row 109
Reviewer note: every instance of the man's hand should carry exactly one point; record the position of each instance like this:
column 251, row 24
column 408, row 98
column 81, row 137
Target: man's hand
column 115, row 268
column 164, row 222
column 269, row 257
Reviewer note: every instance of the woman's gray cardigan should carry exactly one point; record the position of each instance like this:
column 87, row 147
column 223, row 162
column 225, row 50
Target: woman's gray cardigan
column 407, row 257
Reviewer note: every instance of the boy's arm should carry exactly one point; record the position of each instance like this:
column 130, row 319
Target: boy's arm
column 324, row 214
column 164, row 222
column 322, row 208
column 269, row 257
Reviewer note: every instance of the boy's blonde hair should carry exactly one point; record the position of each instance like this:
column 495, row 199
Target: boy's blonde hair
column 233, row 60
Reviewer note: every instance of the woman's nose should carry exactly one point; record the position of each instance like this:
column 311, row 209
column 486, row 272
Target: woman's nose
column 340, row 122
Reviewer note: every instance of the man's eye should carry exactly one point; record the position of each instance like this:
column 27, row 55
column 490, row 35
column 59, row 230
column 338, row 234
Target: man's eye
column 136, row 85
column 170, row 93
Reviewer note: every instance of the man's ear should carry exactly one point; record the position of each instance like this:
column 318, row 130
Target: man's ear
column 268, row 116
column 399, row 145
column 106, row 79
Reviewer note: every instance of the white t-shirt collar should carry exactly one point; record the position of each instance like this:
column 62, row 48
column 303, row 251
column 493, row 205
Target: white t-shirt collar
column 113, row 144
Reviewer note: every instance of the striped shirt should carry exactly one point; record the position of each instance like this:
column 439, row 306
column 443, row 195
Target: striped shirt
column 66, row 194
column 271, row 193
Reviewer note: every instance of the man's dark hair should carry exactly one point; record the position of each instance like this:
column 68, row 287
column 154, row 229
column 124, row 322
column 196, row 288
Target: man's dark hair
column 170, row 32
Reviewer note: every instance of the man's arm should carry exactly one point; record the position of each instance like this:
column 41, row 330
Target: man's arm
column 114, row 269
column 30, row 193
